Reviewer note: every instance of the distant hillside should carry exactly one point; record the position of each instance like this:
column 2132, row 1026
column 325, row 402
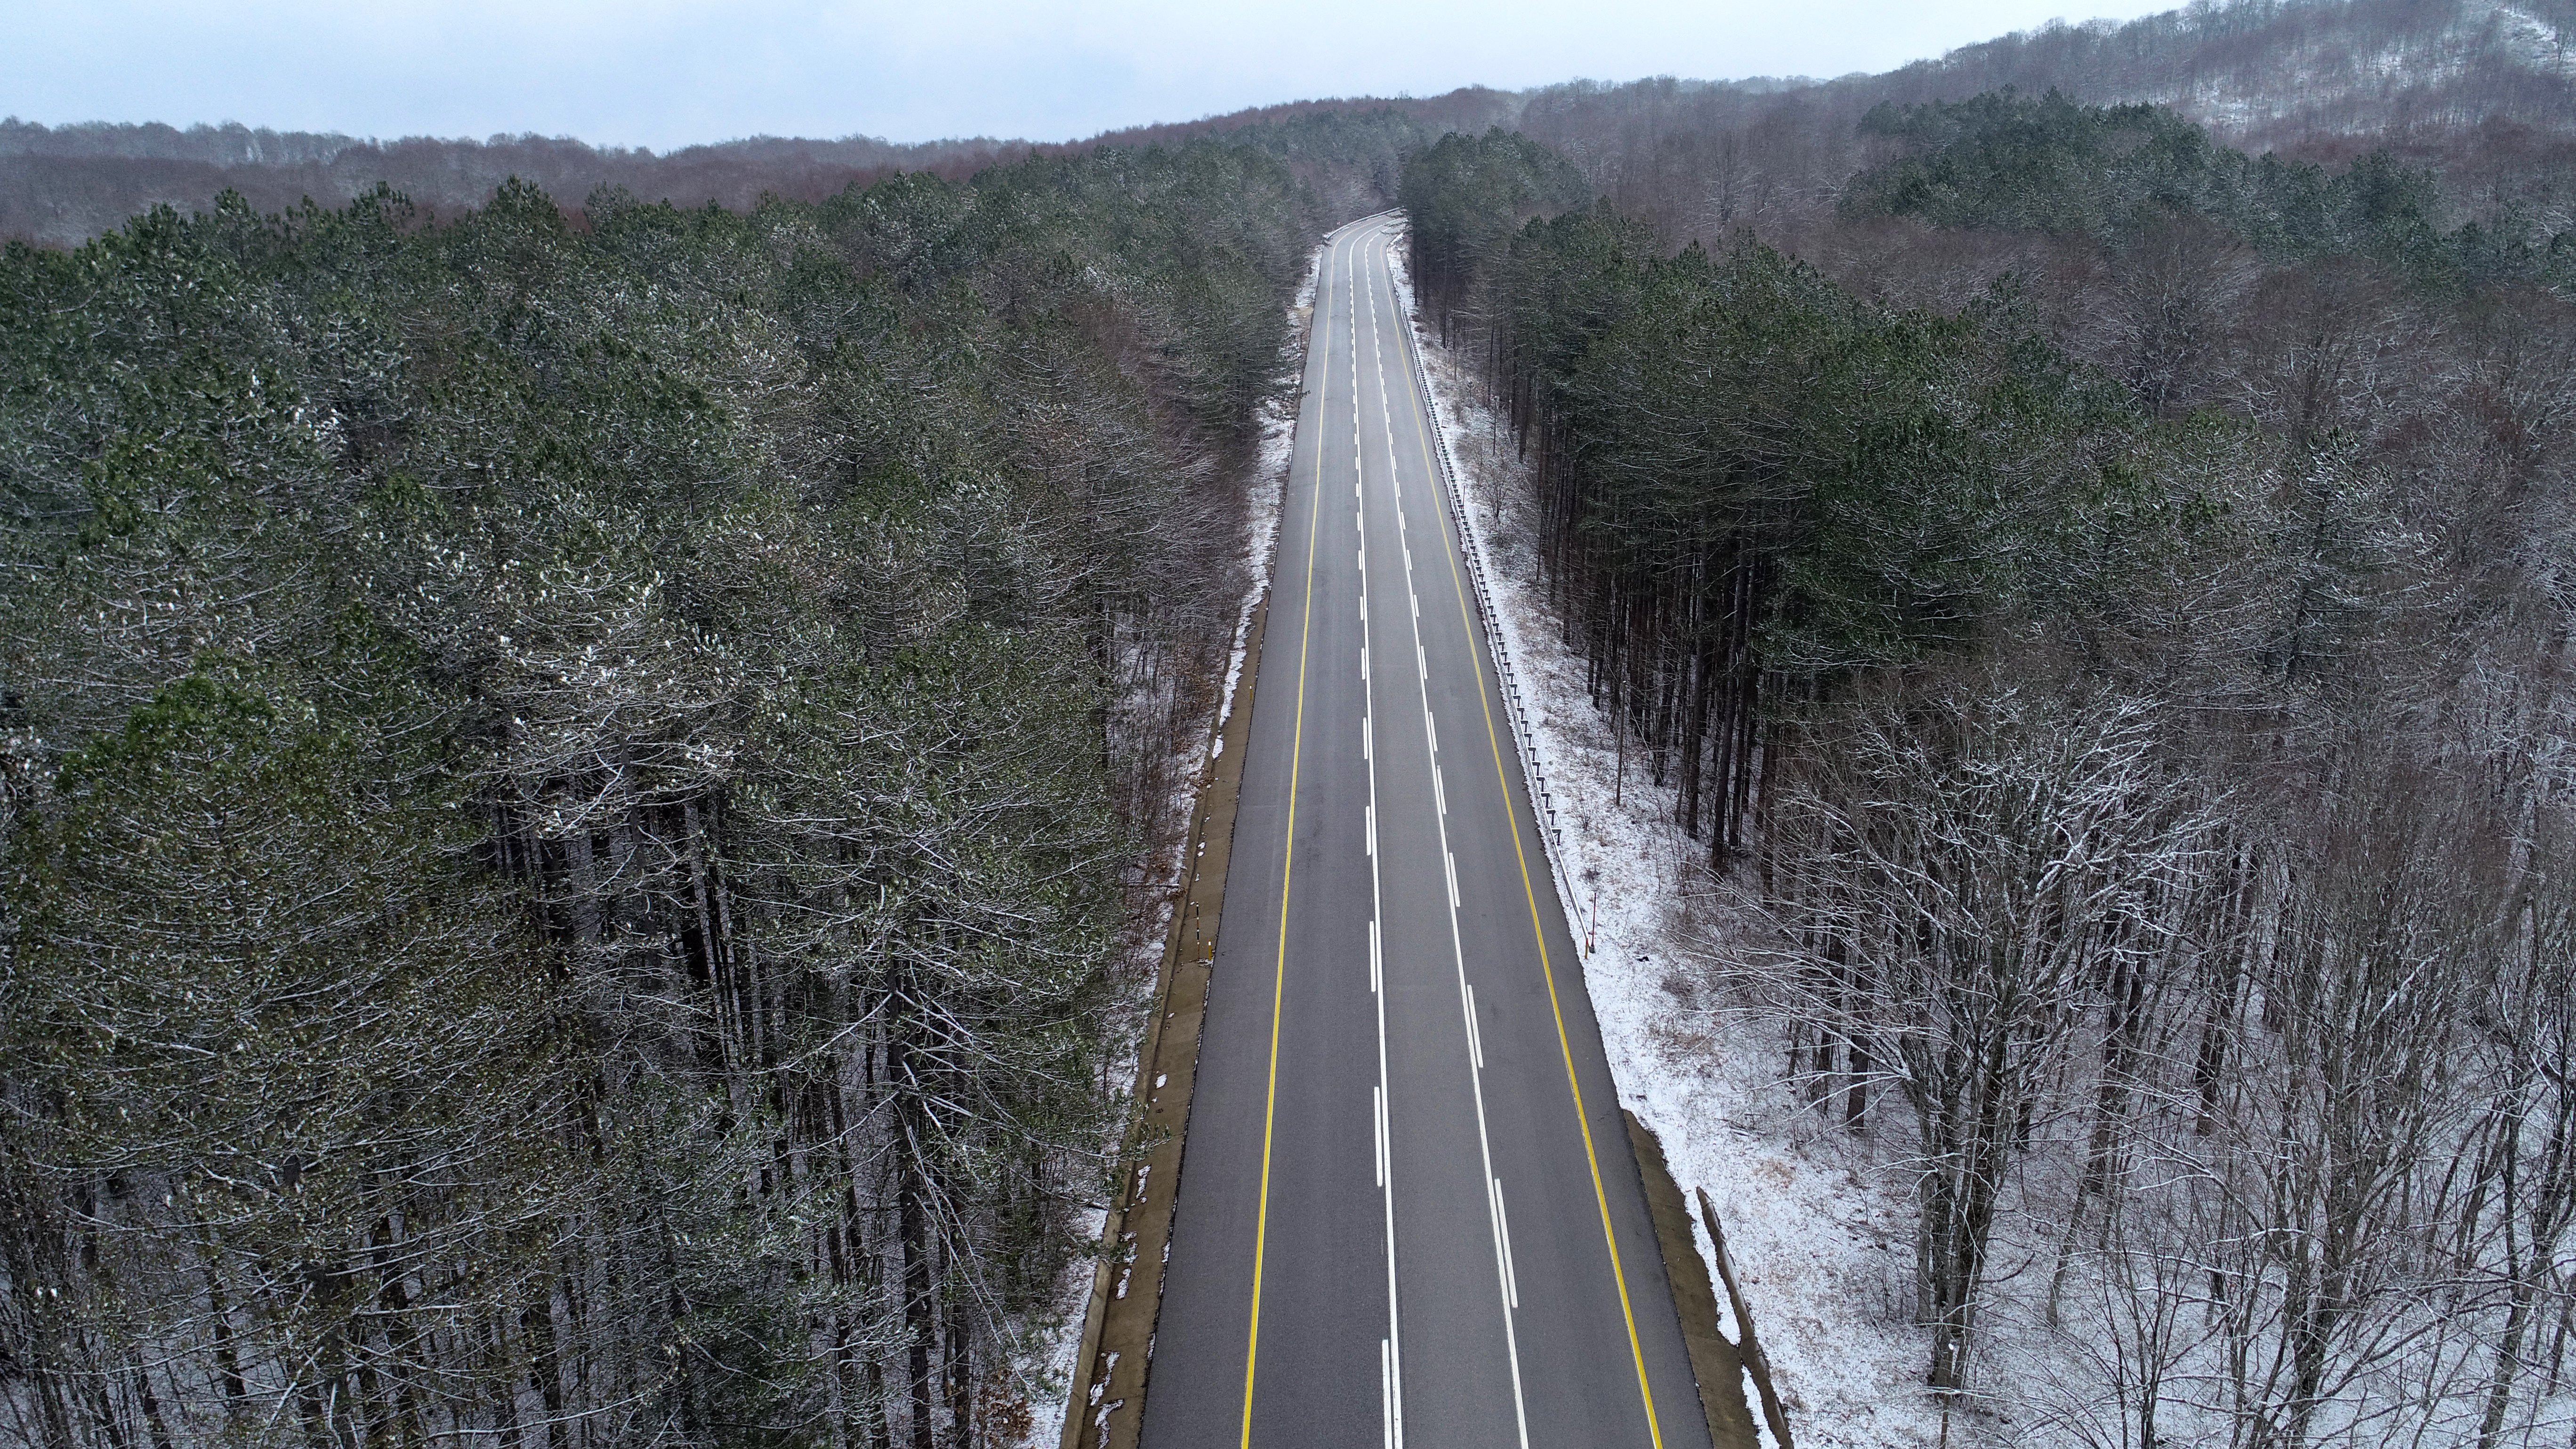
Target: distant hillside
column 59, row 185
column 63, row 184
column 2481, row 94
column 2272, row 72
column 2323, row 79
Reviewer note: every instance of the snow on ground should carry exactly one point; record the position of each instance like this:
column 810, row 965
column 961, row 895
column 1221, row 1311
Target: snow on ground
column 1261, row 530
column 1820, row 1238
column 2533, row 40
column 1045, row 1364
column 2317, row 70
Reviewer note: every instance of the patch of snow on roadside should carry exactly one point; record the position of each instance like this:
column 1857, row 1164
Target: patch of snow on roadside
column 2534, row 41
column 1261, row 535
column 1820, row 1240
column 1046, row 1364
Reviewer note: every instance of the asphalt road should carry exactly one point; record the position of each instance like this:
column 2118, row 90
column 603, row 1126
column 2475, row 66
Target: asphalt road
column 1405, row 1170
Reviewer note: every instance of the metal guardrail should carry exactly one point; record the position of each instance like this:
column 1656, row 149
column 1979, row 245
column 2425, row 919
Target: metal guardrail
column 1533, row 774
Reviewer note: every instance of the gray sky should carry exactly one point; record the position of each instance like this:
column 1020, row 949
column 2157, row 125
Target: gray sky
column 664, row 73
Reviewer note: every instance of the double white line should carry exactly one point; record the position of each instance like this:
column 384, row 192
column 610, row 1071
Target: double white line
column 1390, row 1348
column 1504, row 1276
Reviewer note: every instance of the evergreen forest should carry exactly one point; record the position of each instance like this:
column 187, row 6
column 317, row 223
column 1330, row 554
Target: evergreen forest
column 581, row 792
column 2105, row 623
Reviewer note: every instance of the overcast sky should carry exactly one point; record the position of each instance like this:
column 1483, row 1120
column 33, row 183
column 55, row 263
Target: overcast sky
column 663, row 73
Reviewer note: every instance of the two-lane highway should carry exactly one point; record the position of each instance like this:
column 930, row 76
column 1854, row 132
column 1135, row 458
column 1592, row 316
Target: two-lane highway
column 1407, row 1212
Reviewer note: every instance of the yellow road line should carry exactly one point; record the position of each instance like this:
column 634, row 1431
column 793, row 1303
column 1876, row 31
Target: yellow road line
column 1288, row 861
column 1601, row 1198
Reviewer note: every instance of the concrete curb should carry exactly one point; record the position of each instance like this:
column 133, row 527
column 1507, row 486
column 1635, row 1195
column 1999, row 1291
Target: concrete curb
column 1714, row 1361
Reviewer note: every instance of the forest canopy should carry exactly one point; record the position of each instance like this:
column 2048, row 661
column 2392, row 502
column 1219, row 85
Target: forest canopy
column 576, row 795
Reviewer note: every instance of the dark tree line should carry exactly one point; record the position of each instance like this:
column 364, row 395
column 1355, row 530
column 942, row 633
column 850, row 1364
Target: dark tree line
column 576, row 799
column 1750, row 483
column 2007, row 162
column 62, row 185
